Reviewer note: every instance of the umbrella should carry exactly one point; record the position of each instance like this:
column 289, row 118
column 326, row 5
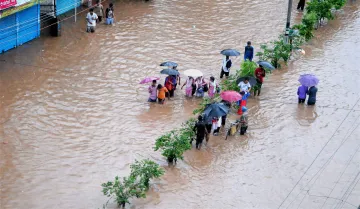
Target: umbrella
column 230, row 96
column 169, row 72
column 252, row 80
column 308, row 80
column 193, row 73
column 169, row 64
column 149, row 79
column 216, row 110
column 267, row 65
column 230, row 52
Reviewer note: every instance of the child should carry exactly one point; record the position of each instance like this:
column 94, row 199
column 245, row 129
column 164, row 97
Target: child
column 302, row 91
column 243, row 121
column 215, row 125
column 161, row 94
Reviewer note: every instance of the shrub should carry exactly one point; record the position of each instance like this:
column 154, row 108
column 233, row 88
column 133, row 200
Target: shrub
column 279, row 50
column 307, row 25
column 123, row 190
column 247, row 68
column 322, row 9
column 176, row 142
column 145, row 170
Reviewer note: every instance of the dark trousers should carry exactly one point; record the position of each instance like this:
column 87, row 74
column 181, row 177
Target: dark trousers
column 217, row 130
column 224, row 73
column 199, row 140
column 99, row 19
column 243, row 130
column 223, row 120
column 301, row 4
column 311, row 103
column 301, row 101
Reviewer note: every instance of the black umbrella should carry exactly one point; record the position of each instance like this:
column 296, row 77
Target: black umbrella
column 230, row 52
column 169, row 64
column 169, row 72
column 215, row 110
column 266, row 64
column 251, row 79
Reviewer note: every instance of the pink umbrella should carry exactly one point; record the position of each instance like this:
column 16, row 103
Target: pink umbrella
column 230, row 96
column 149, row 79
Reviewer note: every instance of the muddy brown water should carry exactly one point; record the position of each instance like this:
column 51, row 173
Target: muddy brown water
column 72, row 115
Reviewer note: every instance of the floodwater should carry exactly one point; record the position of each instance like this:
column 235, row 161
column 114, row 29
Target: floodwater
column 72, row 115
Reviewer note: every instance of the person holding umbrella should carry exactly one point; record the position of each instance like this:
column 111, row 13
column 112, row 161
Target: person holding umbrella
column 245, row 85
column 226, row 65
column 312, row 81
column 259, row 75
column 170, row 85
column 189, row 86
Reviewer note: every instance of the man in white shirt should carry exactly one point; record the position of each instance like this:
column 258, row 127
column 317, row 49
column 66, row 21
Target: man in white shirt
column 91, row 18
column 225, row 68
column 245, row 85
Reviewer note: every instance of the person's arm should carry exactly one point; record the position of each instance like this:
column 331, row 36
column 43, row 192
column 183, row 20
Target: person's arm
column 183, row 85
column 179, row 79
column 168, row 94
column 88, row 19
column 249, row 89
column 298, row 92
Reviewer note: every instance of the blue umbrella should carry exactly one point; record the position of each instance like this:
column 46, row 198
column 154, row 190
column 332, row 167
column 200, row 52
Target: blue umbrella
column 169, row 64
column 266, row 65
column 169, row 72
column 308, row 80
column 230, row 52
column 215, row 110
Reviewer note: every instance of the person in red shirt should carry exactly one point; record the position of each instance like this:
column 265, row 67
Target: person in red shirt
column 259, row 75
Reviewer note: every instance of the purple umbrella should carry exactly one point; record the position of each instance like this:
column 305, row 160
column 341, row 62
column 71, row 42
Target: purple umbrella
column 308, row 80
column 149, row 79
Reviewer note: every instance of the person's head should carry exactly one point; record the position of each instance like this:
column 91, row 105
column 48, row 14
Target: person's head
column 244, row 109
column 91, row 11
column 98, row 2
column 246, row 80
column 159, row 86
column 212, row 79
column 227, row 57
column 261, row 66
column 154, row 83
column 249, row 43
column 111, row 5
column 174, row 67
column 200, row 118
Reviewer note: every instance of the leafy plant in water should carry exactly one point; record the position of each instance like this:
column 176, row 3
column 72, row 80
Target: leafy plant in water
column 277, row 52
column 322, row 9
column 146, row 170
column 230, row 83
column 124, row 189
column 247, row 68
column 337, row 4
column 307, row 25
column 176, row 142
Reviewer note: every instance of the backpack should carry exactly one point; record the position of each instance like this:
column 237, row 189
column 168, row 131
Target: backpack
column 228, row 64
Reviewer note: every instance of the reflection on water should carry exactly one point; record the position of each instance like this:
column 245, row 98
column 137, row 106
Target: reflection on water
column 72, row 115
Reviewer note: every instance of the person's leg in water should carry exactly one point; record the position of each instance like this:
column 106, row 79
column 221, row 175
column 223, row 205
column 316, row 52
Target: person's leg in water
column 199, row 140
column 243, row 130
column 222, row 73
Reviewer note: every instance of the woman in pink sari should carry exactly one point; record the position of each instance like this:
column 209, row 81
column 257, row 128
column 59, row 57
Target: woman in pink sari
column 212, row 87
column 189, row 86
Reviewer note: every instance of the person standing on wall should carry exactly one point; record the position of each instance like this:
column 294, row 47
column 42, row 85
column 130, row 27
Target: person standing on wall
column 249, row 52
column 301, row 5
column 225, row 69
column 99, row 10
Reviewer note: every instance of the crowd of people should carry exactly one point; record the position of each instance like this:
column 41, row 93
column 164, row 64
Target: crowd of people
column 96, row 14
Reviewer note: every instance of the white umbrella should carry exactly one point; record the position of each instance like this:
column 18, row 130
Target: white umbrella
column 193, row 73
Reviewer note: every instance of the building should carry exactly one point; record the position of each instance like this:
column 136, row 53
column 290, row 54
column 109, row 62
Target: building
column 19, row 22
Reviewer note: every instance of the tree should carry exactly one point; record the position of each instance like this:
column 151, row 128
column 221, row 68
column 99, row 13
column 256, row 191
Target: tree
column 124, row 190
column 322, row 9
column 146, row 170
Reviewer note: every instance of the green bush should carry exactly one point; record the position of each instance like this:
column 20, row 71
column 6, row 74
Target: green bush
column 277, row 51
column 337, row 4
column 307, row 25
column 124, row 190
column 322, row 9
column 176, row 142
column 146, row 170
column 247, row 68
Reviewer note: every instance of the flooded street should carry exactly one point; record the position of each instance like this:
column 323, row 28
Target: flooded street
column 73, row 116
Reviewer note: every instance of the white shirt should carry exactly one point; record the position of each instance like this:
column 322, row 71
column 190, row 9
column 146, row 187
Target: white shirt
column 225, row 69
column 244, row 86
column 92, row 18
